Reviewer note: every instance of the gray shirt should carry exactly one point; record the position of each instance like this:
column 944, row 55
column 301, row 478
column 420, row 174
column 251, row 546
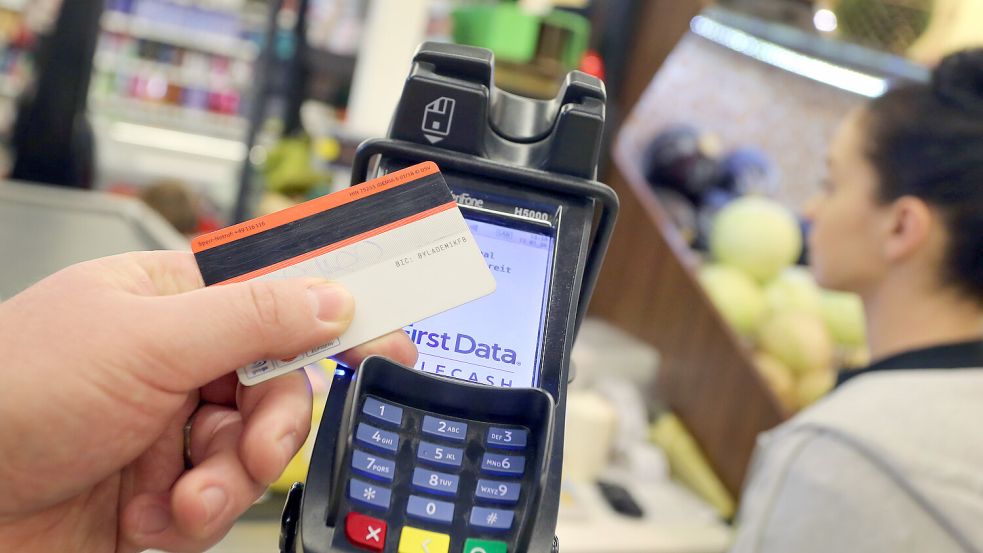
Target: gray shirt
column 890, row 462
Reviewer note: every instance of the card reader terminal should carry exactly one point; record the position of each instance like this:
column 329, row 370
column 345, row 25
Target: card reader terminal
column 463, row 452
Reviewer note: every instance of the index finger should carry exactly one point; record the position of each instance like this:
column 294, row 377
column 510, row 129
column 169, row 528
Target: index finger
column 166, row 272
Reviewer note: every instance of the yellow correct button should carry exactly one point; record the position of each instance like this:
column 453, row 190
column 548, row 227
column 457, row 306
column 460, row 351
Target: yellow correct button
column 414, row 540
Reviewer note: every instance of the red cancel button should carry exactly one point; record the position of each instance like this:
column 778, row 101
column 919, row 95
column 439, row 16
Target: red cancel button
column 366, row 532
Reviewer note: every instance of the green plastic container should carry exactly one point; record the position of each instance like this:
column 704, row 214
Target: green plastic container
column 579, row 28
column 504, row 29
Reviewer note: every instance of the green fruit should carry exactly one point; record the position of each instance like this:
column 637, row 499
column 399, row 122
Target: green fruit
column 736, row 295
column 288, row 167
column 689, row 464
column 813, row 386
column 799, row 340
column 757, row 235
column 843, row 314
column 779, row 379
column 855, row 357
column 794, row 289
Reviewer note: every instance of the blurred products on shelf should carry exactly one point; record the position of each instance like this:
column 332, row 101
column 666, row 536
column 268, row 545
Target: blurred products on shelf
column 195, row 57
column 21, row 23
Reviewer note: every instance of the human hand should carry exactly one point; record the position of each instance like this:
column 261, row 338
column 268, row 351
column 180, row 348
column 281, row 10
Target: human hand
column 103, row 364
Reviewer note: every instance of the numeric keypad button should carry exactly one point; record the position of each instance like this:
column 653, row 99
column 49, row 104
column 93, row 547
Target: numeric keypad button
column 440, row 455
column 430, row 509
column 368, row 494
column 443, row 428
column 504, row 465
column 501, row 492
column 383, row 412
column 372, row 436
column 435, row 482
column 491, row 519
column 373, row 466
column 508, row 438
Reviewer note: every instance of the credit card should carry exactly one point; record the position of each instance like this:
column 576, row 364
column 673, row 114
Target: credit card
column 398, row 243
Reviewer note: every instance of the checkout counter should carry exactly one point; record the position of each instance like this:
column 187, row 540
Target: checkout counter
column 676, row 522
column 44, row 229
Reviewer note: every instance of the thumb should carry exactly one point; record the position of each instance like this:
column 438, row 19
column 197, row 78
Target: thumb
column 207, row 333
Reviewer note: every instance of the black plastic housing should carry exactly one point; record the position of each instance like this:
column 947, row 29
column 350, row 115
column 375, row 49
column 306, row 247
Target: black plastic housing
column 521, row 152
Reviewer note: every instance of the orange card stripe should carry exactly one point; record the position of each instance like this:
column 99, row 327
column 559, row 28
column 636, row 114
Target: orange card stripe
column 306, row 209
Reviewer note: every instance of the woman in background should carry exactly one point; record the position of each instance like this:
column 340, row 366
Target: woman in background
column 893, row 459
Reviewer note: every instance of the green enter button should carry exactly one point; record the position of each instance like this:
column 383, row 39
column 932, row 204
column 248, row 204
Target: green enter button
column 485, row 546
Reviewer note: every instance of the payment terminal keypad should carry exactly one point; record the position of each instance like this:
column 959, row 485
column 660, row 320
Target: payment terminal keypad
column 421, row 482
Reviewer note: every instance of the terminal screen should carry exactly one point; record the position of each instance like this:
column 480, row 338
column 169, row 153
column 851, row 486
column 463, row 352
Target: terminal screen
column 495, row 340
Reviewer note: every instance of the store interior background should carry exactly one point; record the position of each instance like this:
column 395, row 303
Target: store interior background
column 162, row 119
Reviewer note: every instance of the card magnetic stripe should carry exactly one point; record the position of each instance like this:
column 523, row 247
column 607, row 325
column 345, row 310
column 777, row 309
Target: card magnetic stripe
column 251, row 253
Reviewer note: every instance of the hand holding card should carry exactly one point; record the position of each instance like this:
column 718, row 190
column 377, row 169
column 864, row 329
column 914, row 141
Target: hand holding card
column 398, row 243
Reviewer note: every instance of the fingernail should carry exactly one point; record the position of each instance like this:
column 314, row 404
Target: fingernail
column 153, row 520
column 214, row 500
column 331, row 302
column 288, row 446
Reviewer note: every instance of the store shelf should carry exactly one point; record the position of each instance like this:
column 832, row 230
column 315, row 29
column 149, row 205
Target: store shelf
column 740, row 33
column 108, row 62
column 142, row 154
column 192, row 121
column 231, row 47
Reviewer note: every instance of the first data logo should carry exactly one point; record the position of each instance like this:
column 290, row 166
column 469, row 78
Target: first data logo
column 462, row 343
column 465, row 357
column 494, row 340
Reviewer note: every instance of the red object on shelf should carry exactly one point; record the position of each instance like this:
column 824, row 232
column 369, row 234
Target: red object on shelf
column 226, row 103
column 229, row 103
column 207, row 223
column 592, row 64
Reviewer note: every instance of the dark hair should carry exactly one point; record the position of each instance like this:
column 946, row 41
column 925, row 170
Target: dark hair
column 926, row 140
